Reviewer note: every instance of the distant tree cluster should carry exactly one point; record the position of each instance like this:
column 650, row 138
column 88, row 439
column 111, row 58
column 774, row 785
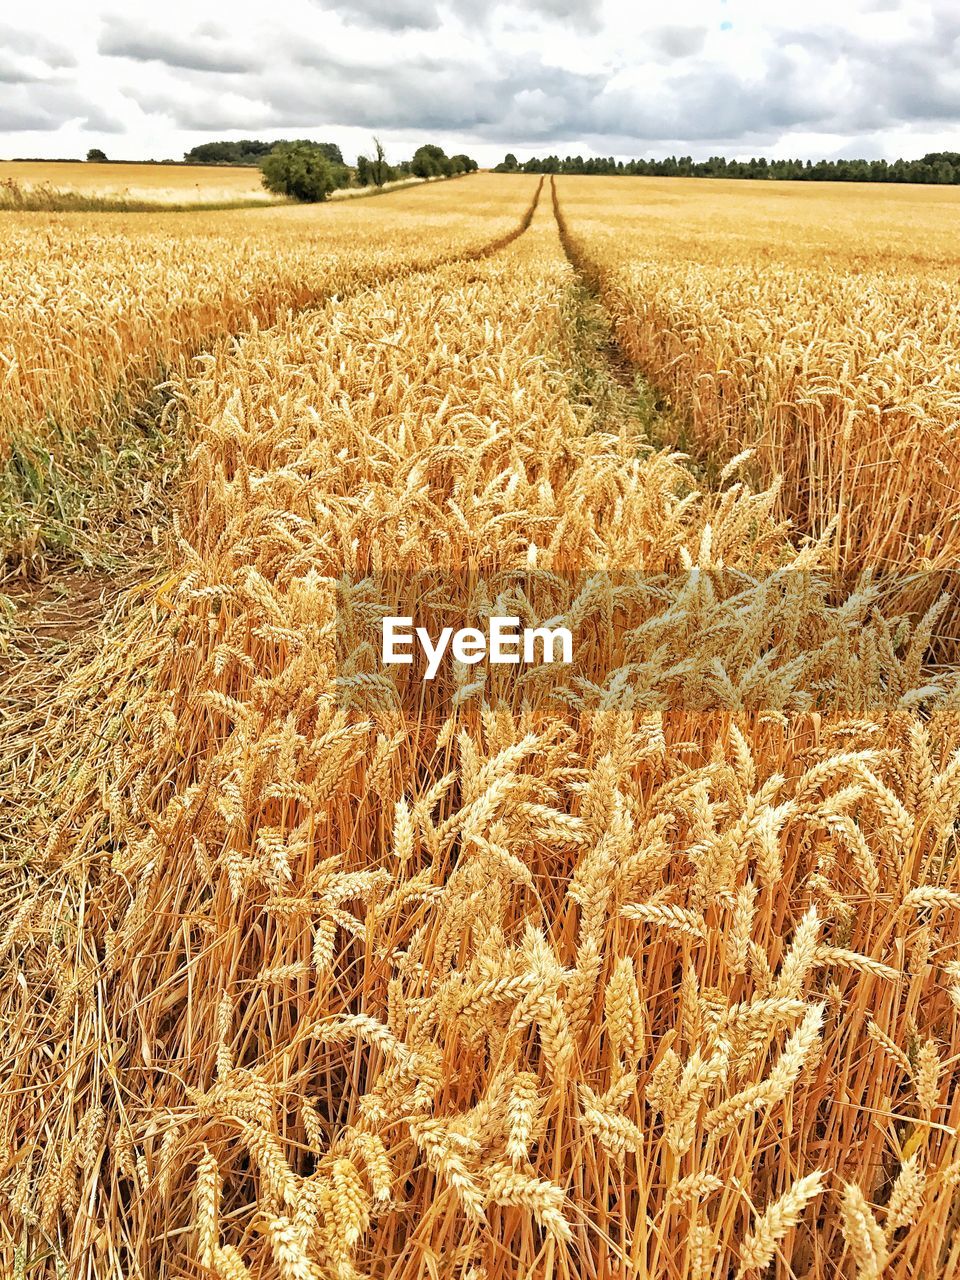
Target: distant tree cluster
column 249, row 151
column 936, row 167
column 309, row 170
column 429, row 161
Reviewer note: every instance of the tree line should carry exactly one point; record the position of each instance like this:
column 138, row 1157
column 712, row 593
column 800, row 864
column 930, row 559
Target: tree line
column 935, row 167
column 308, row 170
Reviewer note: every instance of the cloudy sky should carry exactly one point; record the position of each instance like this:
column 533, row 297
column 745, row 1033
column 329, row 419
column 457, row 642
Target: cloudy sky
column 818, row 78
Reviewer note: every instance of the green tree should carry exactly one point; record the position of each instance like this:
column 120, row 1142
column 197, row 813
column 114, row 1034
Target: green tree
column 96, row 156
column 380, row 168
column 364, row 171
column 252, row 150
column 331, row 151
column 430, row 161
column 300, row 170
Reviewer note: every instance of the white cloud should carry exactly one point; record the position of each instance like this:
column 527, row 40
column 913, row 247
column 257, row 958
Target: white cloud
column 869, row 77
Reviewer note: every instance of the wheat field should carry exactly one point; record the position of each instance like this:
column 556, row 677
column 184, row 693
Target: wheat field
column 646, row 969
column 813, row 324
column 99, row 308
column 170, row 183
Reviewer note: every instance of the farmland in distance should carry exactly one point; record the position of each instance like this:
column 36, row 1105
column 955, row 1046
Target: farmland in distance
column 168, row 183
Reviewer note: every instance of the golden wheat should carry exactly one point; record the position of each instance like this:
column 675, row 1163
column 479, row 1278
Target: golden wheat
column 97, row 309
column 647, row 969
column 816, row 328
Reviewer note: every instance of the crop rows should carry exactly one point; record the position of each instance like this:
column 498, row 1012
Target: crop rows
column 823, row 335
column 99, row 308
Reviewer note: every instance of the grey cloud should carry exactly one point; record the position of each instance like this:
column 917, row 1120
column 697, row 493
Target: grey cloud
column 420, row 93
column 679, row 42
column 697, row 108
column 26, row 119
column 212, row 30
column 914, row 80
column 426, row 15
column 519, row 100
column 927, row 100
column 581, row 12
column 206, row 112
column 99, row 121
column 389, row 15
column 32, row 45
column 12, row 71
column 122, row 39
column 45, row 107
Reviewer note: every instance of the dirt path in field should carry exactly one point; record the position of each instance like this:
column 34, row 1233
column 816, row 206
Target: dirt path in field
column 614, row 384
column 620, row 368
